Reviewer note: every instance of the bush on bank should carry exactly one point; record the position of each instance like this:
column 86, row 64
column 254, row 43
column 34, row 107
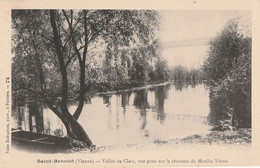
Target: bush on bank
column 228, row 73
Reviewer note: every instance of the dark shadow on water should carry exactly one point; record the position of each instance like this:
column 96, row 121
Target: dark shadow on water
column 183, row 84
column 125, row 98
column 160, row 96
column 145, row 102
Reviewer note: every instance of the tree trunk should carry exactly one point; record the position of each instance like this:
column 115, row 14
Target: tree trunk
column 82, row 91
column 75, row 130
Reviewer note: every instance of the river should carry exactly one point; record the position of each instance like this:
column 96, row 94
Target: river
column 170, row 111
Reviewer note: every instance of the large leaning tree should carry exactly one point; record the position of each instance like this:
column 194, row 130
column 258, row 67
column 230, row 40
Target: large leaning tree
column 52, row 49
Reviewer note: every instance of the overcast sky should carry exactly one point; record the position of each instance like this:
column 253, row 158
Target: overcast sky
column 184, row 26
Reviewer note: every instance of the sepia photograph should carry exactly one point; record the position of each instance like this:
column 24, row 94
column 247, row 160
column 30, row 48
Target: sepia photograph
column 96, row 79
column 103, row 86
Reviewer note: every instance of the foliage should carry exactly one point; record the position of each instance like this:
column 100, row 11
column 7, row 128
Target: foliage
column 112, row 32
column 224, row 52
column 57, row 52
column 161, row 71
column 240, row 136
column 181, row 72
column 228, row 73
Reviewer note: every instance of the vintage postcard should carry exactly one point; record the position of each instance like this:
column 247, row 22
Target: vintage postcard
column 129, row 84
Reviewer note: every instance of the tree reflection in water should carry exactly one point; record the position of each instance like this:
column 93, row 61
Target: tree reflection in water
column 159, row 102
column 141, row 102
column 180, row 84
column 141, row 112
column 125, row 100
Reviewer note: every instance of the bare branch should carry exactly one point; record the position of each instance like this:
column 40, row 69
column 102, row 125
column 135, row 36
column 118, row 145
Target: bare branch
column 71, row 15
column 73, row 27
column 82, row 71
column 94, row 47
column 69, row 60
column 86, row 37
column 71, row 34
column 61, row 62
column 47, row 49
column 65, row 44
column 42, row 35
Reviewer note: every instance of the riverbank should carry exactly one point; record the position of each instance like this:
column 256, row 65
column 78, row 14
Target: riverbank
column 139, row 86
column 241, row 137
column 148, row 86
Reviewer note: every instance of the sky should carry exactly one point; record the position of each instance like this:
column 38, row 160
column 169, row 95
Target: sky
column 180, row 28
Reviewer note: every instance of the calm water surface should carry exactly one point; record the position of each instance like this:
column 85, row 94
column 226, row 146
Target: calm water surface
column 165, row 112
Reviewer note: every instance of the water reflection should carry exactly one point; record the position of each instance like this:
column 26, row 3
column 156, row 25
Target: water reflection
column 181, row 84
column 125, row 99
column 141, row 102
column 160, row 97
column 106, row 100
column 164, row 112
column 34, row 117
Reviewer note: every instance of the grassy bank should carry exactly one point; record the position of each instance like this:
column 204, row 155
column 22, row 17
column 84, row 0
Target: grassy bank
column 241, row 136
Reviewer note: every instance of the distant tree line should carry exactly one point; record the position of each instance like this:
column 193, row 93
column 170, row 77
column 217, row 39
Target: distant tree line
column 182, row 72
column 123, row 69
column 227, row 71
